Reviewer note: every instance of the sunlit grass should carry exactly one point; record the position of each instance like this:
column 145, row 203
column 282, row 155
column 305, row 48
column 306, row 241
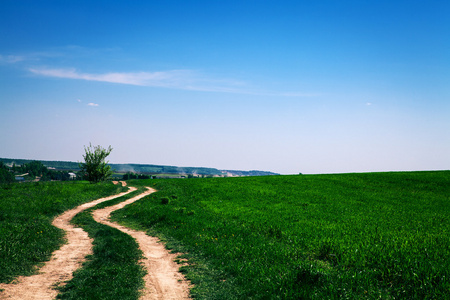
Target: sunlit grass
column 356, row 236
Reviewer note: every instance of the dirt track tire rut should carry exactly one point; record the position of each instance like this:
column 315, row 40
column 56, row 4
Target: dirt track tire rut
column 163, row 280
column 62, row 263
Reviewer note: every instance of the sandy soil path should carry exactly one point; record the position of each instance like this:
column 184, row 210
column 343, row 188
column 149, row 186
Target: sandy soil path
column 62, row 263
column 163, row 281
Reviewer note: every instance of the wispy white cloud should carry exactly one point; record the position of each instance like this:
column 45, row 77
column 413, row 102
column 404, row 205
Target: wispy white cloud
column 180, row 79
column 11, row 59
column 29, row 57
column 55, row 53
column 175, row 79
column 89, row 104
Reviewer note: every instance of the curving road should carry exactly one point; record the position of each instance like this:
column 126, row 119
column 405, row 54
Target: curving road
column 163, row 280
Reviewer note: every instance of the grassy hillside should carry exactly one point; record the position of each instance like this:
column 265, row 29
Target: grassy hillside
column 348, row 236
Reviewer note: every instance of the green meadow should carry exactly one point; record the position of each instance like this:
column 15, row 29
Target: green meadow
column 340, row 236
column 346, row 236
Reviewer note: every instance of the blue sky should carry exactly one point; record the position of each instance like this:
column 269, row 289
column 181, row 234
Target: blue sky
column 282, row 86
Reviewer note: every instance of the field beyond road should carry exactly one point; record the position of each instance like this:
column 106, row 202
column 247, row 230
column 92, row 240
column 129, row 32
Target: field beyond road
column 348, row 236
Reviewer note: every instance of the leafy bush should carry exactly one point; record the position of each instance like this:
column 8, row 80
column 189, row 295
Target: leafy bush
column 95, row 166
column 5, row 174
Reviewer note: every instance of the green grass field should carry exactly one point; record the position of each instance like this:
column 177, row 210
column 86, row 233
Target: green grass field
column 26, row 212
column 344, row 236
column 347, row 236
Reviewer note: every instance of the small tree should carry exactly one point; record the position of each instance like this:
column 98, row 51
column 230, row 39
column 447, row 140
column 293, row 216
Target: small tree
column 95, row 168
column 5, row 174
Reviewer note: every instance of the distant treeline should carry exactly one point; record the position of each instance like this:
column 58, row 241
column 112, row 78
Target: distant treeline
column 130, row 175
column 59, row 165
column 158, row 169
column 249, row 173
column 32, row 171
column 143, row 168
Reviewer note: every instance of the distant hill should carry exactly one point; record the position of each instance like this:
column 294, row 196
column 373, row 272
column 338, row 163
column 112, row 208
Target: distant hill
column 60, row 165
column 144, row 168
column 249, row 173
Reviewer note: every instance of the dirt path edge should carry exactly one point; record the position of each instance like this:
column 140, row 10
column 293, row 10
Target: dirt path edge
column 62, row 263
column 163, row 279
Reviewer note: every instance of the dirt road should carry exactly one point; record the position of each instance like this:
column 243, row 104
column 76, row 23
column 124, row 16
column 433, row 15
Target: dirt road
column 162, row 282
